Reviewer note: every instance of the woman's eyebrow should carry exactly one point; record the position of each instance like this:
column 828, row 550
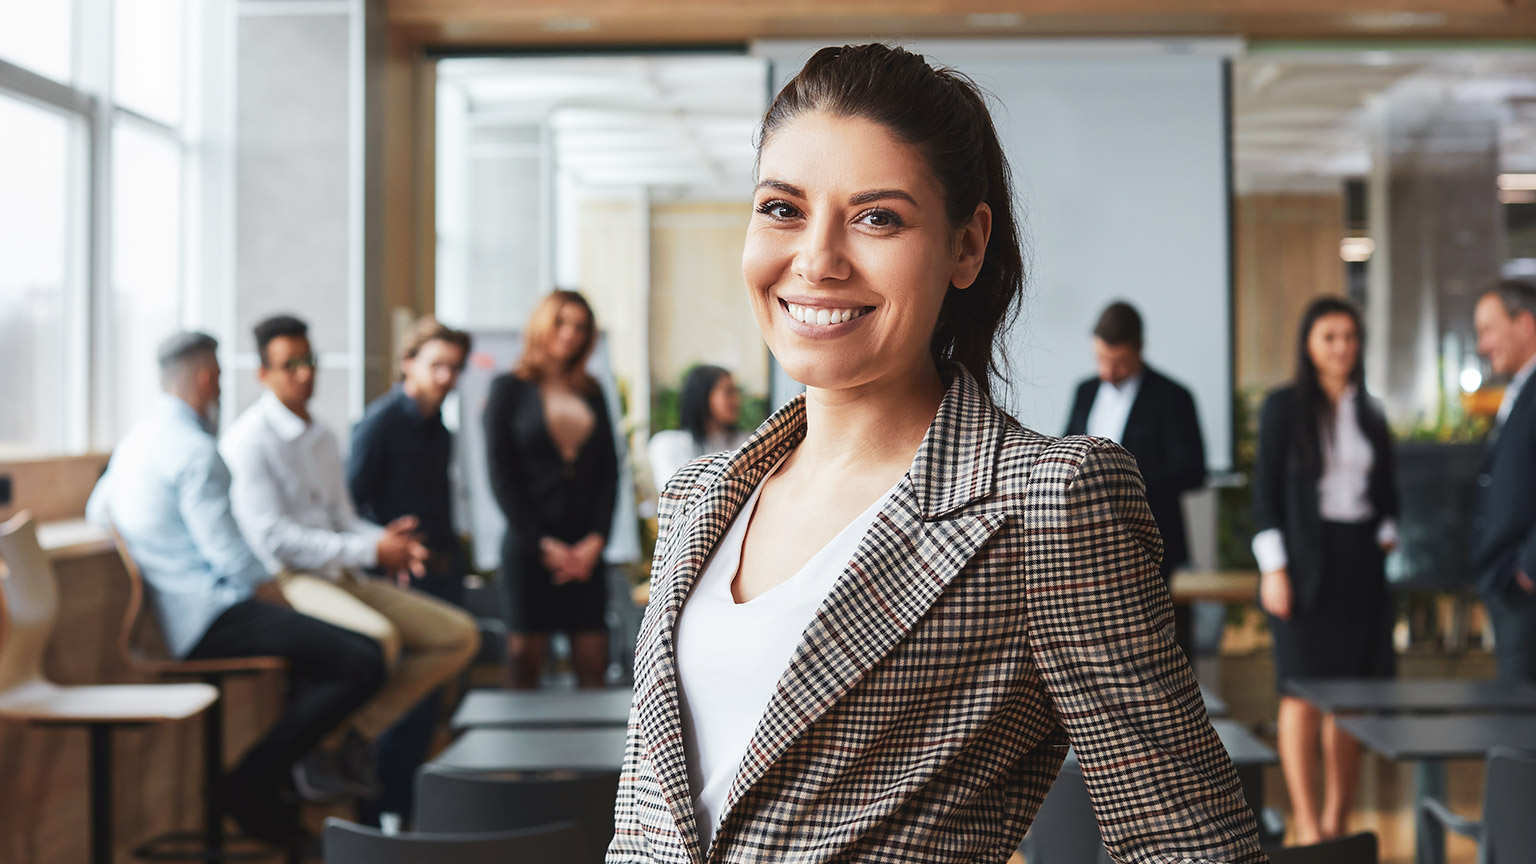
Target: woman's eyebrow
column 786, row 188
column 881, row 195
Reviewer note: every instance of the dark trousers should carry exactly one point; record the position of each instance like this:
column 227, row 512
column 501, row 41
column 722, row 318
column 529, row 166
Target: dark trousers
column 404, row 746
column 1513, row 613
column 331, row 672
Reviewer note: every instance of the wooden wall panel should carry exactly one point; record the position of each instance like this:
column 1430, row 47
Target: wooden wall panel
column 1287, row 249
column 54, row 488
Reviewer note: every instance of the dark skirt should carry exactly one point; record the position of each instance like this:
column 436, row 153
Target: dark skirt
column 1348, row 632
column 532, row 603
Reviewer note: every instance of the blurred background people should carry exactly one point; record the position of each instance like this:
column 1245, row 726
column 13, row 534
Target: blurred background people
column 554, row 470
column 167, row 491
column 399, row 468
column 1152, row 416
column 1325, row 506
column 291, row 500
column 709, row 409
column 1504, row 538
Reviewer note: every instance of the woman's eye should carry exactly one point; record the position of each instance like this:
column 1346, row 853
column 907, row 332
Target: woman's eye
column 779, row 210
column 880, row 219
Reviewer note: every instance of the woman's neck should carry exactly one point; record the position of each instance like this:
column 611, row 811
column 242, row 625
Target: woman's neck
column 1333, row 388
column 876, row 426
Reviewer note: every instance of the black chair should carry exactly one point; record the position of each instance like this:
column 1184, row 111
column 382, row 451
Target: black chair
column 449, row 802
column 1507, row 833
column 1354, row 849
column 350, row 843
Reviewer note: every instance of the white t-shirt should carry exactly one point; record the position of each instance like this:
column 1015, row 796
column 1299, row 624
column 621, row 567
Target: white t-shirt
column 731, row 655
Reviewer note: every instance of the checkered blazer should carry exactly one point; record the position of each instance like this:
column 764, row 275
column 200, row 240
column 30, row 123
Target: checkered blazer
column 1005, row 603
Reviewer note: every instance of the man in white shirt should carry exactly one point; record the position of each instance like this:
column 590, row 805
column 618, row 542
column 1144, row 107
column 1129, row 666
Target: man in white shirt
column 1153, row 417
column 290, row 498
column 1504, row 529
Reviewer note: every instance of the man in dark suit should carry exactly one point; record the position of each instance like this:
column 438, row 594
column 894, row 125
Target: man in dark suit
column 1152, row 416
column 1504, row 533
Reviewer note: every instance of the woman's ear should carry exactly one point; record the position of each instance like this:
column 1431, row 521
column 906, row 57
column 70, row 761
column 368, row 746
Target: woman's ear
column 971, row 247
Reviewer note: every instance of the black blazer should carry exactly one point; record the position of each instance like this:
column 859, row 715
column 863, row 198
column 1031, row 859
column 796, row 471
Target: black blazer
column 540, row 494
column 1285, row 490
column 1504, row 529
column 1163, row 433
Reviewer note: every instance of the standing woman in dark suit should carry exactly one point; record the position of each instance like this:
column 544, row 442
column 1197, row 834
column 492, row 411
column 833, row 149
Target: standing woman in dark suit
column 1325, row 504
column 554, row 470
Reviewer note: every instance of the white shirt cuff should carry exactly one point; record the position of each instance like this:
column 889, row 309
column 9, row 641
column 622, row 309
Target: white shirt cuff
column 363, row 550
column 1269, row 550
column 1387, row 534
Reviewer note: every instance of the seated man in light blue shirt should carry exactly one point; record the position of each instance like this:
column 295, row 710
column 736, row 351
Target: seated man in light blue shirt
column 167, row 491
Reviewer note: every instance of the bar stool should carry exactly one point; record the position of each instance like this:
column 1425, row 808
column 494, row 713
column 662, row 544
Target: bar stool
column 28, row 609
column 180, row 845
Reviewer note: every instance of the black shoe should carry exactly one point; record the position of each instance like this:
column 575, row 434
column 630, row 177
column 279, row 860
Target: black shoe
column 358, row 766
column 262, row 816
column 317, row 777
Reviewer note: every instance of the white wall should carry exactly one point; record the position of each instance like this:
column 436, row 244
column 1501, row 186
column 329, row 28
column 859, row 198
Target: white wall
column 1118, row 152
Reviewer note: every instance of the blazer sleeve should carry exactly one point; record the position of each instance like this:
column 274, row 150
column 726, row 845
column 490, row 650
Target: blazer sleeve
column 365, row 465
column 629, row 845
column 607, row 464
column 504, row 460
column 1101, row 630
column 1269, row 464
column 1182, row 467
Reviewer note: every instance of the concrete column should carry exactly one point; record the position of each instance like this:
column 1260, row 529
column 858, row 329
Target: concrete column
column 1435, row 216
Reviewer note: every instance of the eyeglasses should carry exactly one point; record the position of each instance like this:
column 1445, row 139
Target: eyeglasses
column 301, row 361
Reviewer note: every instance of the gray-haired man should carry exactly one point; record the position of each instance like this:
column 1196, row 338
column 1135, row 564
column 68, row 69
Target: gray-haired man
column 167, row 491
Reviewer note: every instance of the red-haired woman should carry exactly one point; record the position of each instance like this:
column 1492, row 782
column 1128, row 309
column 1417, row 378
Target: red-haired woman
column 554, row 470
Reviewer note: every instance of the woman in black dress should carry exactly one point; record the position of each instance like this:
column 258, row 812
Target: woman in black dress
column 554, row 470
column 1325, row 504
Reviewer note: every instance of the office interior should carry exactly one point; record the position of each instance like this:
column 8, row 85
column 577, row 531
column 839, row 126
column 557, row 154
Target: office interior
column 173, row 165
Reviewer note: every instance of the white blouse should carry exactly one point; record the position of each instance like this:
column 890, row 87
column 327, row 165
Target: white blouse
column 1343, row 490
column 731, row 655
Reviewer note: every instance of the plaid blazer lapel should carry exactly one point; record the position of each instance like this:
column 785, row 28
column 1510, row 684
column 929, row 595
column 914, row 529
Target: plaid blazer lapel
column 916, row 547
column 720, row 493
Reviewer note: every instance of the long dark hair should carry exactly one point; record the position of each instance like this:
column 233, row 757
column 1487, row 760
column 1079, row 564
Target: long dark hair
column 1314, row 412
column 944, row 115
column 693, row 402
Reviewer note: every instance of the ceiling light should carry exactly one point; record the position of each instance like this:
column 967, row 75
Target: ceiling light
column 1356, row 249
column 1517, row 182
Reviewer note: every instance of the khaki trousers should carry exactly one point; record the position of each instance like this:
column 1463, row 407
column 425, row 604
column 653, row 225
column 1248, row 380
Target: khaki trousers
column 426, row 642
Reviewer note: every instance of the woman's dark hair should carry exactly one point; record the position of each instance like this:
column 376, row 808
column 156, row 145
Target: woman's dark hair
column 943, row 114
column 693, row 402
column 1314, row 411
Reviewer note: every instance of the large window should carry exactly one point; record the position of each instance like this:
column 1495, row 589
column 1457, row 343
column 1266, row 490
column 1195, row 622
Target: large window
column 96, row 161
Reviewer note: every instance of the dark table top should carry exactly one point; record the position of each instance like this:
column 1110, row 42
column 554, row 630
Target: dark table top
column 1445, row 736
column 596, row 750
column 543, row 708
column 1410, row 695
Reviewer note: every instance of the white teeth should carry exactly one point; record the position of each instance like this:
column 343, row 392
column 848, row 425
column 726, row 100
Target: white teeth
column 820, row 316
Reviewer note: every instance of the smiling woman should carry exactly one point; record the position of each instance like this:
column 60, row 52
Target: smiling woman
column 875, row 626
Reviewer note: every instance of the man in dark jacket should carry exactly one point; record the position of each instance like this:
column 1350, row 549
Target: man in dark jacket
column 1504, row 533
column 1153, row 417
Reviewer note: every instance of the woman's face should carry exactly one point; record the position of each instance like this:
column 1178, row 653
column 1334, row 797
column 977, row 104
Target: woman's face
column 1334, row 345
column 572, row 326
column 848, row 255
column 725, row 401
